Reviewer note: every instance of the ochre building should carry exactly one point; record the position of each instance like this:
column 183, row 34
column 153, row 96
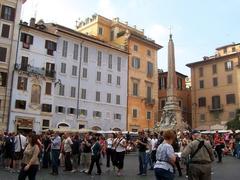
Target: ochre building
column 142, row 110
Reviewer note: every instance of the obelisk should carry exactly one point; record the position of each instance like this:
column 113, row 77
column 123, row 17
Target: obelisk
column 172, row 114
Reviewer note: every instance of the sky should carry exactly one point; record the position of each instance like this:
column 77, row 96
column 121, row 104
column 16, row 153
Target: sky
column 198, row 26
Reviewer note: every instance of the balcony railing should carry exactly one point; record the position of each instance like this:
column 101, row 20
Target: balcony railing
column 149, row 101
column 215, row 108
column 51, row 74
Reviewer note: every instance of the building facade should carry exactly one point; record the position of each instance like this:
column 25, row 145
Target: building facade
column 10, row 11
column 142, row 106
column 215, row 87
column 33, row 79
column 183, row 95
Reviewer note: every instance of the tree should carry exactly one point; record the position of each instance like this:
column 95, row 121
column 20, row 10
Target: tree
column 234, row 124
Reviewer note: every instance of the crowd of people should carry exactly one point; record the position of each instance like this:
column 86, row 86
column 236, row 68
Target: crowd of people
column 161, row 152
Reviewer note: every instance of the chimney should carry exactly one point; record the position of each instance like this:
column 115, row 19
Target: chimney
column 32, row 22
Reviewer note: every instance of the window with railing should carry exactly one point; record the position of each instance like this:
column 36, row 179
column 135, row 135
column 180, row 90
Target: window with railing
column 27, row 40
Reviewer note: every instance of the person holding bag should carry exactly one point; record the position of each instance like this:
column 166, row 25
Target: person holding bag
column 30, row 162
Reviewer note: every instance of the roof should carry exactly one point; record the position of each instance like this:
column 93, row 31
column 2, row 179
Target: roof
column 212, row 59
column 83, row 36
column 178, row 73
column 226, row 46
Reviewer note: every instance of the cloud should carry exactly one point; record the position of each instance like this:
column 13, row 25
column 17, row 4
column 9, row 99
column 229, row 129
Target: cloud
column 106, row 9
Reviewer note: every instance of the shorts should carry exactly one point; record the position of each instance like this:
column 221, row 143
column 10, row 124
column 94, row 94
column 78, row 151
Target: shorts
column 18, row 156
column 8, row 155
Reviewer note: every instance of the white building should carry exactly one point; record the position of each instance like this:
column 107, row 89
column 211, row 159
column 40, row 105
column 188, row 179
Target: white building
column 98, row 90
column 10, row 11
column 33, row 78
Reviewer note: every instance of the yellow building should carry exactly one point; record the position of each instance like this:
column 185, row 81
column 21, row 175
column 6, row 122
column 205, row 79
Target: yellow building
column 216, row 88
column 142, row 67
column 10, row 11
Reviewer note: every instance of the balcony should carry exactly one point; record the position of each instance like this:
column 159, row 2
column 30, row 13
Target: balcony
column 149, row 101
column 50, row 74
column 216, row 108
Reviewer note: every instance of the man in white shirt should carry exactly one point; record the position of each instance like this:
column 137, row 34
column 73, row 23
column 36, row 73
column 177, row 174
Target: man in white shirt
column 154, row 142
column 68, row 150
column 20, row 142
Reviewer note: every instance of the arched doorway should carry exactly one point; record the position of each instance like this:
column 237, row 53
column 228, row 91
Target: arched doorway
column 62, row 125
column 96, row 128
column 116, row 129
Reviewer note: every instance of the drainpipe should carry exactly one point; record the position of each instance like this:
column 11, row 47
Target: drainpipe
column 79, row 77
column 13, row 72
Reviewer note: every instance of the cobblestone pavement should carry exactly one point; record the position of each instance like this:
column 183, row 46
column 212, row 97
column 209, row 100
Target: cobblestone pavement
column 228, row 170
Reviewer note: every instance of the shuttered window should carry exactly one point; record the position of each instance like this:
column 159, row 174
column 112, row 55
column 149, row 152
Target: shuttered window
column 3, row 54
column 5, row 31
column 8, row 13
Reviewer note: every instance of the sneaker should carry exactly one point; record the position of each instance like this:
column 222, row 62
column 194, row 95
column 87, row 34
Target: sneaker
column 73, row 171
column 143, row 174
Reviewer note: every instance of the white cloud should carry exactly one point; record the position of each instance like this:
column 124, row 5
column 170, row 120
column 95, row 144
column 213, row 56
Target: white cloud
column 106, row 9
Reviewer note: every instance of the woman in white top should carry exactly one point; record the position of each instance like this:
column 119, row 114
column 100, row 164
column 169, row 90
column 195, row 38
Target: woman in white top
column 109, row 149
column 120, row 148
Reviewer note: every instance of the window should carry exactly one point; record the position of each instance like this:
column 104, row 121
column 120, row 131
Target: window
column 112, row 36
column 63, row 68
column 117, row 116
column 202, row 117
column 3, row 79
column 180, row 103
column 136, row 62
column 201, row 84
column 119, row 64
column 99, row 59
column 45, row 124
column 109, row 78
column 50, row 70
column 20, row 104
column 74, row 70
column 5, row 30
column 135, row 113
column 84, row 73
column 117, row 99
column 97, row 114
column 230, row 98
column 83, row 94
column 27, row 40
column 110, row 61
column 118, row 80
column 148, row 115
column 75, row 51
column 85, row 55
column 36, row 94
column 179, row 83
column 225, row 50
column 98, row 96
column 135, row 48
column 48, row 90
column 149, row 93
column 233, row 49
column 228, row 65
column 108, row 97
column 81, row 126
column 3, row 54
column 46, row 108
column 216, row 102
column 61, row 90
column 202, row 102
column 149, row 69
column 215, row 81
column 8, row 13
column 71, row 111
column 73, row 92
column 22, row 83
column 163, row 102
column 100, row 31
column 163, row 83
column 201, row 72
column 24, row 63
column 148, row 52
column 135, row 89
column 214, row 69
column 83, row 112
column 229, row 79
column 51, row 47
column 99, row 76
column 60, row 109
column 64, row 49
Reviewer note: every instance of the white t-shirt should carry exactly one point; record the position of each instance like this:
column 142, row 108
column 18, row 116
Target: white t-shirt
column 120, row 143
column 67, row 145
column 109, row 143
column 17, row 142
column 153, row 143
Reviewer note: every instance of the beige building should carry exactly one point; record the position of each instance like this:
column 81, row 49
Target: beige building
column 216, row 87
column 10, row 11
column 142, row 110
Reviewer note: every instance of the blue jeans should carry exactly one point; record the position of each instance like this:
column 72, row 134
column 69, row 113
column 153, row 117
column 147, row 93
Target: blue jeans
column 162, row 174
column 142, row 157
column 55, row 160
column 149, row 160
